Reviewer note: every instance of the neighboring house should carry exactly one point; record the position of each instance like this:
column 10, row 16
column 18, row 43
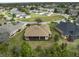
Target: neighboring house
column 76, row 7
column 2, row 22
column 69, row 28
column 51, row 10
column 11, row 29
column 61, row 10
column 2, row 9
column 73, row 12
column 19, row 14
column 37, row 32
column 14, row 11
column 34, row 11
column 22, row 15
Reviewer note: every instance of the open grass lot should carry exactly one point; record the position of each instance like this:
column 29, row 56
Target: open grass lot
column 44, row 18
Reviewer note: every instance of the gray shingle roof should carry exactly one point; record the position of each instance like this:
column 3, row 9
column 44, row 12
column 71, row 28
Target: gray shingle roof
column 9, row 29
column 69, row 28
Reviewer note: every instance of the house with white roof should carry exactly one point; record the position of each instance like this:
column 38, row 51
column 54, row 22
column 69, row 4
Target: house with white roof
column 73, row 12
column 19, row 14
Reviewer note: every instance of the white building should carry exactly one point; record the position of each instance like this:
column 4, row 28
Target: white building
column 19, row 14
column 73, row 12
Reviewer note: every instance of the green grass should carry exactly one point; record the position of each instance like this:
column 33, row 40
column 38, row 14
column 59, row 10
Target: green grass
column 18, row 39
column 7, row 46
column 44, row 18
column 73, row 45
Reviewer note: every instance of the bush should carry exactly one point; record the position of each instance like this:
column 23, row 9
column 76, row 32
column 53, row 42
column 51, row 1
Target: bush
column 56, row 38
column 26, row 50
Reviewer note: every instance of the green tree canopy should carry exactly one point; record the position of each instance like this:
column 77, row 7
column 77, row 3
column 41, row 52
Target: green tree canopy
column 26, row 50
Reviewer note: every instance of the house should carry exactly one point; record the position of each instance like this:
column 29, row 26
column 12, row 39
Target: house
column 60, row 10
column 69, row 29
column 11, row 29
column 51, row 10
column 22, row 15
column 37, row 32
column 34, row 11
column 2, row 9
column 2, row 22
column 14, row 11
column 73, row 12
column 19, row 14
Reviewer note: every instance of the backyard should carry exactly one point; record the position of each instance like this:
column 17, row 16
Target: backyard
column 19, row 38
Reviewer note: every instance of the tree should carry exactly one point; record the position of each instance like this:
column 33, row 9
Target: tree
column 55, row 10
column 16, row 51
column 63, row 46
column 67, row 11
column 4, row 48
column 56, row 38
column 54, row 50
column 24, row 10
column 1, row 16
column 26, row 50
column 0, row 24
column 38, row 20
column 39, row 51
column 61, row 5
column 13, row 16
column 28, row 25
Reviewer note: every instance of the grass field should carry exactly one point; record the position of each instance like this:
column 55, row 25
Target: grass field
column 44, row 18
